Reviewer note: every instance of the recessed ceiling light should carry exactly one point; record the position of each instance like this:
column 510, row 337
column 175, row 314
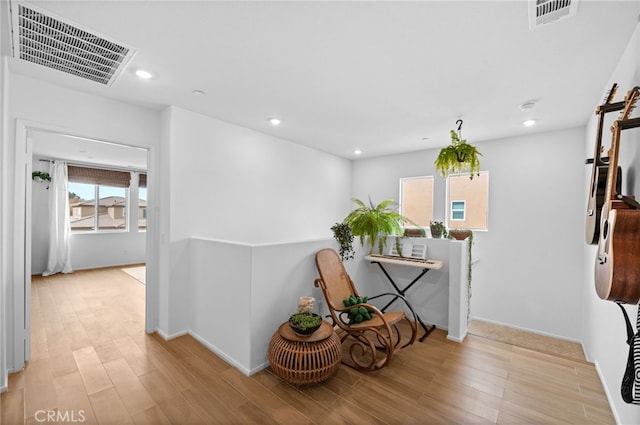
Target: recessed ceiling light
column 145, row 75
column 357, row 152
column 529, row 123
column 275, row 121
column 198, row 92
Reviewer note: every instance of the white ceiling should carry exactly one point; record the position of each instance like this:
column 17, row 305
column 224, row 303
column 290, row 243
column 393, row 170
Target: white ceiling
column 379, row 76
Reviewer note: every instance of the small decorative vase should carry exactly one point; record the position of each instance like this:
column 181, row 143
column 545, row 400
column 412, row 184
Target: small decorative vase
column 306, row 304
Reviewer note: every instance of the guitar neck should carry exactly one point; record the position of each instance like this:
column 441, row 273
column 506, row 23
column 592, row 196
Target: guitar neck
column 602, row 110
column 621, row 123
column 612, row 176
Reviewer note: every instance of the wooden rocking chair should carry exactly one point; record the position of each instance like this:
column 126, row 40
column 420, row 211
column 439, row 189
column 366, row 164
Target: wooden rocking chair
column 372, row 342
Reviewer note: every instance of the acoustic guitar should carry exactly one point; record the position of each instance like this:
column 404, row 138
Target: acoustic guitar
column 617, row 266
column 599, row 170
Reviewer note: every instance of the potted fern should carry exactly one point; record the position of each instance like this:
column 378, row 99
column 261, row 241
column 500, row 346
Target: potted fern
column 375, row 222
column 458, row 157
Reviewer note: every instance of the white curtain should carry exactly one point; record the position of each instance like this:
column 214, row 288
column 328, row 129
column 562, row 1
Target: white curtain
column 59, row 223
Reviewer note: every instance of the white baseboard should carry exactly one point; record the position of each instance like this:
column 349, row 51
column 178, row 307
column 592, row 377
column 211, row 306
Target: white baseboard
column 520, row 328
column 224, row 356
column 455, row 339
column 172, row 336
column 221, row 354
column 612, row 404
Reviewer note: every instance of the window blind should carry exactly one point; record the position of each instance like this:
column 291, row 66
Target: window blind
column 142, row 180
column 98, row 176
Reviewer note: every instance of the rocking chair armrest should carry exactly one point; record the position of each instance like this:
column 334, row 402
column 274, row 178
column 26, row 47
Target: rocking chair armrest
column 402, row 297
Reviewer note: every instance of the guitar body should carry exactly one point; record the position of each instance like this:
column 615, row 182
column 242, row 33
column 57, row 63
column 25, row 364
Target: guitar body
column 597, row 198
column 617, row 268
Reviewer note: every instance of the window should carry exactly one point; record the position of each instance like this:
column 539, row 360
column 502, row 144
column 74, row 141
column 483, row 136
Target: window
column 142, row 202
column 458, row 210
column 468, row 201
column 416, row 199
column 98, row 199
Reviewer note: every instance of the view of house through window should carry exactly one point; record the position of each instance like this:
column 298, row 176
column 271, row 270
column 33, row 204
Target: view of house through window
column 99, row 200
column 108, row 213
column 142, row 205
column 416, row 199
column 468, row 201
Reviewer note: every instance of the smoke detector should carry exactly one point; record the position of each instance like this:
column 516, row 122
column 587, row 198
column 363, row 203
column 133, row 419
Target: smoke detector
column 46, row 40
column 542, row 12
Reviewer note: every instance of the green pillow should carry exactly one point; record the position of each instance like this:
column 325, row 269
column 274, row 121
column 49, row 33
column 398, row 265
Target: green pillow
column 357, row 314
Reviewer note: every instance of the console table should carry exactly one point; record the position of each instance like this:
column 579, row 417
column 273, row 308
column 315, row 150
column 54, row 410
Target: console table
column 424, row 265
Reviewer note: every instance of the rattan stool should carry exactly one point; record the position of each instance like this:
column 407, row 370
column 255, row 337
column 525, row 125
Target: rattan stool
column 305, row 360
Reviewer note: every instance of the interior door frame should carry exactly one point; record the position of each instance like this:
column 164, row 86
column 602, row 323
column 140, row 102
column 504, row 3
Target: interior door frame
column 22, row 238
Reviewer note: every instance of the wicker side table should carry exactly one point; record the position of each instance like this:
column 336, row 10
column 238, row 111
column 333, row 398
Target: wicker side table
column 305, row 360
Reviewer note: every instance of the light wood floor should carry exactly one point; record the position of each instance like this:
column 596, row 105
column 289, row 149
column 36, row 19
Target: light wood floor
column 91, row 360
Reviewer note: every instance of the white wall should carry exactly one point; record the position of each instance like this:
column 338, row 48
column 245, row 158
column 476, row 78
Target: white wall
column 230, row 183
column 530, row 259
column 603, row 325
column 237, row 305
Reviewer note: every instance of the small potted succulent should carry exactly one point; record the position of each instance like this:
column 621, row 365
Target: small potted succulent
column 438, row 230
column 304, row 324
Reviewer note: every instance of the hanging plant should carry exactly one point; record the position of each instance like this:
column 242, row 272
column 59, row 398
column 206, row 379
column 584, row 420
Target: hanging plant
column 41, row 176
column 342, row 233
column 459, row 156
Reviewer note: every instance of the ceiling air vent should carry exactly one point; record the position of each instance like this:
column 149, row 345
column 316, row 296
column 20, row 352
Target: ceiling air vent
column 543, row 12
column 48, row 41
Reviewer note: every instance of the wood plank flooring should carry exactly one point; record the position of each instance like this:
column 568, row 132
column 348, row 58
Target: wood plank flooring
column 92, row 363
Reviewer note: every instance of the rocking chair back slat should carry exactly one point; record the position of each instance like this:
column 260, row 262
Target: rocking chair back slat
column 337, row 283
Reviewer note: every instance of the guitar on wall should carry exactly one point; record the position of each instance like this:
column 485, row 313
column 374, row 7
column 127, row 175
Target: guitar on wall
column 596, row 196
column 617, row 266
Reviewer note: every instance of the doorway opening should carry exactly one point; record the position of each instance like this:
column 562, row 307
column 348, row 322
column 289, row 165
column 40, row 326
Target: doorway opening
column 94, row 251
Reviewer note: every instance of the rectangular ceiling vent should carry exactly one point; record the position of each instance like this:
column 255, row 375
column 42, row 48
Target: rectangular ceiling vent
column 542, row 12
column 43, row 39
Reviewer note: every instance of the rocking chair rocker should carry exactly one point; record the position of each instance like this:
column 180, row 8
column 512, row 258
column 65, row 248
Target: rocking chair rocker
column 372, row 342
